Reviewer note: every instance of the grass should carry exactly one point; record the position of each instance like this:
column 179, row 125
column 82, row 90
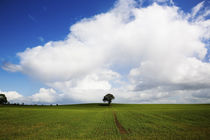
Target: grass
column 95, row 121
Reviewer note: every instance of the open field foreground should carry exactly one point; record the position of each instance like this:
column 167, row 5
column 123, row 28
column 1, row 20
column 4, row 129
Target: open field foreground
column 96, row 121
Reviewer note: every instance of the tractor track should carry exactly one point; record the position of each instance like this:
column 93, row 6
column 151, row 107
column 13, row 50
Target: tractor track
column 119, row 126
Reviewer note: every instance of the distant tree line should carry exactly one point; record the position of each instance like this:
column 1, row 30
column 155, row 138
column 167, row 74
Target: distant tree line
column 4, row 101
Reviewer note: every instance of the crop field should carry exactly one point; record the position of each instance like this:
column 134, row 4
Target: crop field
column 101, row 122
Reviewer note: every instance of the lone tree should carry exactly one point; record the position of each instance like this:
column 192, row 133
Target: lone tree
column 108, row 98
column 3, row 99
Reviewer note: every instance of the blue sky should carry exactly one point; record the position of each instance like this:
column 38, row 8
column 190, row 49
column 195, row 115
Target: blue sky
column 28, row 24
column 23, row 23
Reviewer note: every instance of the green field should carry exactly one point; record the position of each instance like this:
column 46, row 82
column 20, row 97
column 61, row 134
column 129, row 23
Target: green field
column 96, row 121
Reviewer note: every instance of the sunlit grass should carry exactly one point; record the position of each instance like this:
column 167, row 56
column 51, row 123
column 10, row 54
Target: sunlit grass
column 93, row 121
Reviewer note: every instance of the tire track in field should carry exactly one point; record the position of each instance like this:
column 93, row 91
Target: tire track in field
column 119, row 126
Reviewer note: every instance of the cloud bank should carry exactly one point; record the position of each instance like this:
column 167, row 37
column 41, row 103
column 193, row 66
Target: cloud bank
column 153, row 54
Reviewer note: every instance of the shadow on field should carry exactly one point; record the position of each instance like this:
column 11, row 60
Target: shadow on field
column 103, row 104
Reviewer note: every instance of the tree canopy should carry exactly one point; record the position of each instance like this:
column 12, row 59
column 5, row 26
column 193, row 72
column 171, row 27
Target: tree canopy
column 108, row 98
column 3, row 99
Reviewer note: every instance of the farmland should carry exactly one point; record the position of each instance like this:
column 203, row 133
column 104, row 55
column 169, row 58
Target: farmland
column 97, row 121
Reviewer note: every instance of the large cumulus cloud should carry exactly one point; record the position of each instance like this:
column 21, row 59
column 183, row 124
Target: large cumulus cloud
column 141, row 54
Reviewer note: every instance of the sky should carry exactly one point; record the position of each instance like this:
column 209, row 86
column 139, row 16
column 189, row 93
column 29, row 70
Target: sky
column 76, row 51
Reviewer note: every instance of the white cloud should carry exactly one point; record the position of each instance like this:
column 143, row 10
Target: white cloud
column 161, row 0
column 170, row 2
column 11, row 67
column 200, row 12
column 185, row 73
column 45, row 96
column 12, row 96
column 197, row 8
column 151, row 54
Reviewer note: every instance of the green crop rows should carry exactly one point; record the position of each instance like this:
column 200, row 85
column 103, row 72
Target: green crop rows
column 95, row 121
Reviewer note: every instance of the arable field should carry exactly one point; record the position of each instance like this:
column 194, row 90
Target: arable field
column 97, row 121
